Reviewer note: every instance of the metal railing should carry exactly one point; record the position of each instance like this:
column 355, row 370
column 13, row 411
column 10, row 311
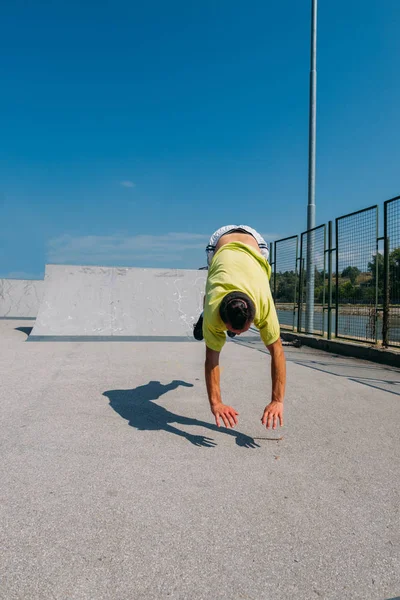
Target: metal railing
column 390, row 281
column 314, row 240
column 285, row 280
column 355, row 287
column 356, row 276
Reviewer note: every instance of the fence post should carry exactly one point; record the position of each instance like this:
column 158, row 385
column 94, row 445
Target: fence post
column 376, row 321
column 330, row 250
column 295, row 285
column 337, row 278
column 386, row 290
column 301, row 274
column 273, row 265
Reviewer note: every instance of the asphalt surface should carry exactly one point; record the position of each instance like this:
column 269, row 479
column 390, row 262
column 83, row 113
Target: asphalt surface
column 115, row 484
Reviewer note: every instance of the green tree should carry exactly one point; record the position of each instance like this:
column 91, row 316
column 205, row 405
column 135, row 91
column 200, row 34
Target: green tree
column 394, row 276
column 351, row 273
column 377, row 262
column 285, row 286
column 346, row 292
column 394, row 259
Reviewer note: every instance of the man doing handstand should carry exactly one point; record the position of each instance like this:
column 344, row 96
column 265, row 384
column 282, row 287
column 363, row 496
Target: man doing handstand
column 238, row 294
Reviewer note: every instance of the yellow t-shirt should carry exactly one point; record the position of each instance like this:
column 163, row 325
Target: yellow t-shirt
column 239, row 267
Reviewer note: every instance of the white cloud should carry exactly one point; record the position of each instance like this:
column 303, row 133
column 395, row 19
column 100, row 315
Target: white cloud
column 127, row 184
column 179, row 248
column 128, row 250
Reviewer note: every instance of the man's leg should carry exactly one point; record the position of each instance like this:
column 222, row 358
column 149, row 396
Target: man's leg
column 210, row 249
column 262, row 244
column 198, row 329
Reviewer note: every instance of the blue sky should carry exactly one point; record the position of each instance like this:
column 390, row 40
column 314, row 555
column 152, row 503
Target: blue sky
column 131, row 131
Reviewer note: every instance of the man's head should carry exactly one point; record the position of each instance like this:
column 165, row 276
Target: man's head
column 237, row 311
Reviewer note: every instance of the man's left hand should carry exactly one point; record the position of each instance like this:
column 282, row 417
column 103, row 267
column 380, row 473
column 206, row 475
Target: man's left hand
column 273, row 414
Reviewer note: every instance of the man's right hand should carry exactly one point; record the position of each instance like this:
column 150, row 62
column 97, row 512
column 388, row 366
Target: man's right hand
column 228, row 415
column 220, row 411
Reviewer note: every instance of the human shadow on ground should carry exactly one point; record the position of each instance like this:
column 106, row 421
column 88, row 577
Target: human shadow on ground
column 139, row 408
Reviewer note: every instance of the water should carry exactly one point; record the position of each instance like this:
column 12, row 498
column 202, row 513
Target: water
column 360, row 327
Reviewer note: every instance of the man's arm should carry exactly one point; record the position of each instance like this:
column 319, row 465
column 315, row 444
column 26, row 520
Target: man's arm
column 212, row 374
column 273, row 413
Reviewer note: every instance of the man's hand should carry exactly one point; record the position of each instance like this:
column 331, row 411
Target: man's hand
column 226, row 413
column 273, row 414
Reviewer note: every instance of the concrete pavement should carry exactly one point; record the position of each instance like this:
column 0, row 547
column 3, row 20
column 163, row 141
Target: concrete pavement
column 115, row 484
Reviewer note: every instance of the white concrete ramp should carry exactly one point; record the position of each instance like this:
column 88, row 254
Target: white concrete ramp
column 20, row 298
column 114, row 303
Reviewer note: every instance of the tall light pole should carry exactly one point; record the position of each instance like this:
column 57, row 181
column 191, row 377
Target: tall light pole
column 311, row 172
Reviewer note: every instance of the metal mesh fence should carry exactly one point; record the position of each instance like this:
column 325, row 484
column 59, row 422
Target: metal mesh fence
column 286, row 281
column 365, row 278
column 358, row 264
column 312, row 290
column 392, row 233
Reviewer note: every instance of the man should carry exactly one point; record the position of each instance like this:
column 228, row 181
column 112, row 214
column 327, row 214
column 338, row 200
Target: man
column 237, row 295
